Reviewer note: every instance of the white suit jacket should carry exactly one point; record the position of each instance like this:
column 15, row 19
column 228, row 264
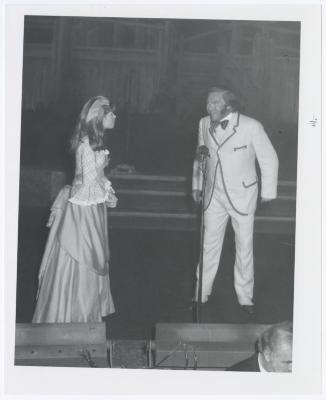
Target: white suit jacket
column 234, row 159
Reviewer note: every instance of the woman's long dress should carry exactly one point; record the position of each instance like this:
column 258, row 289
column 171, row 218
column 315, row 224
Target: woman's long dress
column 74, row 283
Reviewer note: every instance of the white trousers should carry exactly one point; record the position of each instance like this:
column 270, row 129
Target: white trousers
column 215, row 221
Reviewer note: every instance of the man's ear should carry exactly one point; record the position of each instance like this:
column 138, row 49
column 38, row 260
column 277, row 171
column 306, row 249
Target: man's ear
column 229, row 108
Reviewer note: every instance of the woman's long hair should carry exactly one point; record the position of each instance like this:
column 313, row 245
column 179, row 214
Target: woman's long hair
column 92, row 128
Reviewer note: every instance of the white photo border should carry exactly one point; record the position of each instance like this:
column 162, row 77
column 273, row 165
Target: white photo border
column 307, row 373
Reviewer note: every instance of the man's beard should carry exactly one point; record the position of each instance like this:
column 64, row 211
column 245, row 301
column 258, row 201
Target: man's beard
column 223, row 113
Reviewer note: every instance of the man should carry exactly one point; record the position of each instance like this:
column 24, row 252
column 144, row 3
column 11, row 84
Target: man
column 234, row 142
column 274, row 351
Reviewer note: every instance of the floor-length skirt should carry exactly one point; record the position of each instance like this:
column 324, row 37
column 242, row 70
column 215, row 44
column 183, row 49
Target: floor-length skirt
column 74, row 283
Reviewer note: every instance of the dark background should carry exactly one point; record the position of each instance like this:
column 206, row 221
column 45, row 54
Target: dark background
column 157, row 72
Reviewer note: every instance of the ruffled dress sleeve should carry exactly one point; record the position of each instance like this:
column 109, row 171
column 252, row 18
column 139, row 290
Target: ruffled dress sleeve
column 90, row 185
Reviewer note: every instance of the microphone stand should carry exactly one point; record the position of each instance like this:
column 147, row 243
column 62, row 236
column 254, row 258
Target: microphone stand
column 201, row 258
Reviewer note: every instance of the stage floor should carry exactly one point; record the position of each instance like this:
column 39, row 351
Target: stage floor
column 152, row 278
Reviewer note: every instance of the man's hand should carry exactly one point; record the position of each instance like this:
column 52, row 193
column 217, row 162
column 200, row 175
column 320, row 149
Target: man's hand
column 266, row 199
column 196, row 195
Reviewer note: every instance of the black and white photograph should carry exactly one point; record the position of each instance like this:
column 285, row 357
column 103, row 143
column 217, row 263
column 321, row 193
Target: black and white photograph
column 159, row 163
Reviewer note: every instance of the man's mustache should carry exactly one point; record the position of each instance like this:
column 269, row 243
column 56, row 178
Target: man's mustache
column 222, row 112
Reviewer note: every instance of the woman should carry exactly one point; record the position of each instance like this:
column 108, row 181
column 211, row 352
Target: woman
column 74, row 281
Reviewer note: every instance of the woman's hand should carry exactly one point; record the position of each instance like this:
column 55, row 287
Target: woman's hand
column 107, row 161
column 112, row 201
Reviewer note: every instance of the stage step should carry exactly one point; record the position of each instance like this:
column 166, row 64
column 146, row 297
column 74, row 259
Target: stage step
column 189, row 222
column 167, row 201
column 150, row 182
column 180, row 184
column 164, row 202
column 157, row 202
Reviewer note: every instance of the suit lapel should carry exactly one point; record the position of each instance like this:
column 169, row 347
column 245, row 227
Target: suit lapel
column 231, row 128
column 211, row 134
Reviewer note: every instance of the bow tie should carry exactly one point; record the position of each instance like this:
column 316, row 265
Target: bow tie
column 223, row 124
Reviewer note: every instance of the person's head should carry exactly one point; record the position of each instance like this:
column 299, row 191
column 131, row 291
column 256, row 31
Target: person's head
column 275, row 347
column 220, row 103
column 96, row 116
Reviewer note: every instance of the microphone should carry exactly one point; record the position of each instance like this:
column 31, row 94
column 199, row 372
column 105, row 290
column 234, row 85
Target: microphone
column 202, row 153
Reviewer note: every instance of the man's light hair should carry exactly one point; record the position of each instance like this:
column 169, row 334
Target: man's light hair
column 229, row 97
column 273, row 337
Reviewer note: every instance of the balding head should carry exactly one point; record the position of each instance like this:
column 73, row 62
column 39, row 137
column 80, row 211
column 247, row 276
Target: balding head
column 275, row 346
